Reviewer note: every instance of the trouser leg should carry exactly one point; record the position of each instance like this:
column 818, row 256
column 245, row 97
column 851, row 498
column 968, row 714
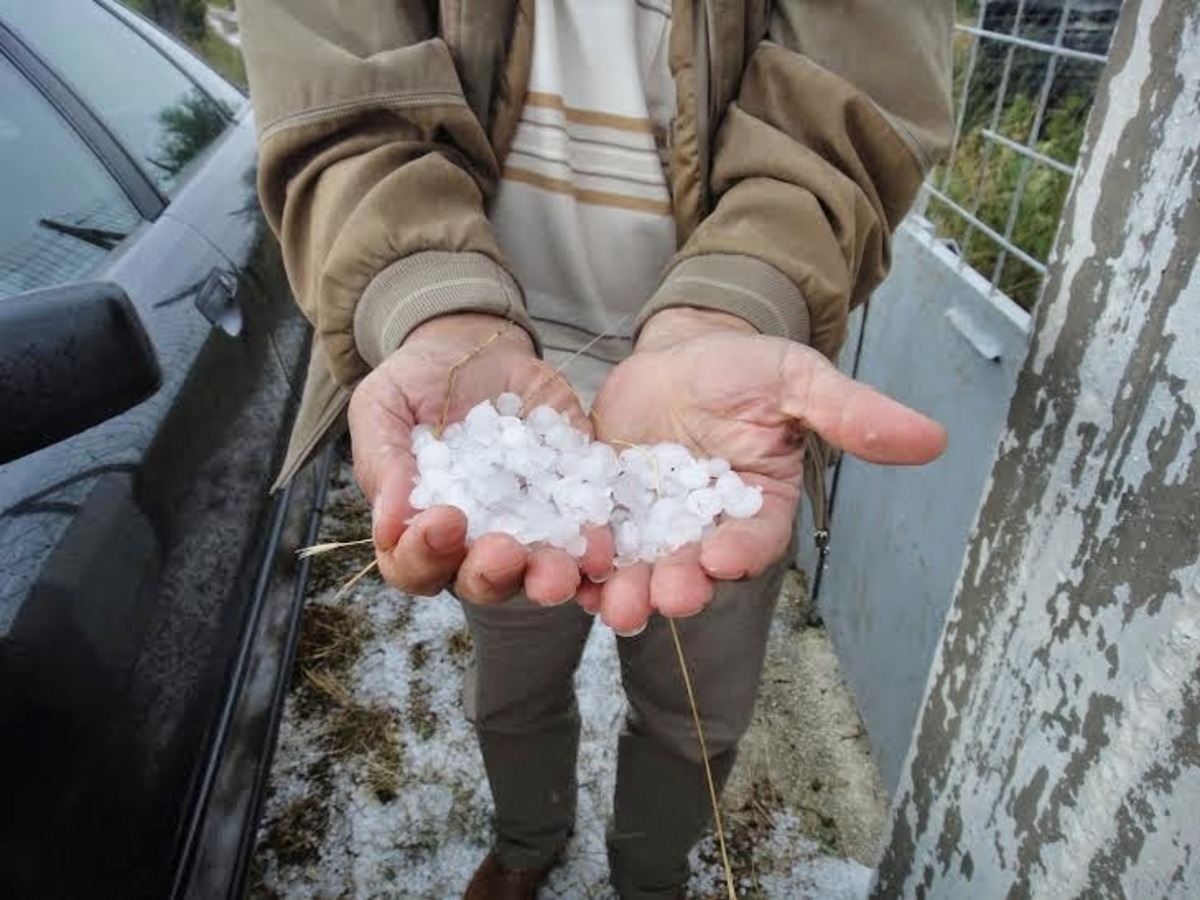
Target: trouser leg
column 520, row 696
column 662, row 803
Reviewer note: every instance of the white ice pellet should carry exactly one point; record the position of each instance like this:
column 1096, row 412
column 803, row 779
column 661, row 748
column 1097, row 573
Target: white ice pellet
column 744, row 503
column 716, row 466
column 705, row 503
column 563, row 437
column 692, row 475
column 422, row 436
column 628, row 538
column 542, row 418
column 435, row 455
column 541, row 481
column 508, row 404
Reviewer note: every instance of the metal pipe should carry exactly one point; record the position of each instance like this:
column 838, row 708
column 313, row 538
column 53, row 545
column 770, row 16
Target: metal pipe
column 1003, row 38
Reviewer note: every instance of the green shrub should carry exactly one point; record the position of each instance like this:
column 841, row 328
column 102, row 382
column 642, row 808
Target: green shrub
column 985, row 179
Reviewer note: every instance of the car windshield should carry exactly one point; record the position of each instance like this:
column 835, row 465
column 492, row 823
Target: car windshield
column 62, row 211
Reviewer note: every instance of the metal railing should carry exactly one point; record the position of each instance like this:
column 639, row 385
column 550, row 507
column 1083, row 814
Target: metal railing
column 1025, row 76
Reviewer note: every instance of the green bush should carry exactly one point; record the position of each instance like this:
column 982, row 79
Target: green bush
column 192, row 19
column 985, row 179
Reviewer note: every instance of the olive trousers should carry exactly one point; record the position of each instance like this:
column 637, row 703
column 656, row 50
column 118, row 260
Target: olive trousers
column 520, row 697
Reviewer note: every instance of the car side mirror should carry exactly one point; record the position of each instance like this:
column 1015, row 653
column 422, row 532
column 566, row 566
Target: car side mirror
column 70, row 357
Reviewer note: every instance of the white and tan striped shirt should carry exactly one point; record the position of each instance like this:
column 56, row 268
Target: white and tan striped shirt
column 583, row 212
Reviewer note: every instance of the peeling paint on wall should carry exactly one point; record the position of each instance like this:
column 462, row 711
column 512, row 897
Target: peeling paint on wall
column 1058, row 753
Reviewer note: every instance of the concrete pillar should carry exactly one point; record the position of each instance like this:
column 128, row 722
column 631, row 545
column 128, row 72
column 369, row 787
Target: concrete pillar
column 1058, row 752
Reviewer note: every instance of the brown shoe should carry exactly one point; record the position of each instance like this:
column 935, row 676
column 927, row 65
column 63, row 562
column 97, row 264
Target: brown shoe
column 492, row 881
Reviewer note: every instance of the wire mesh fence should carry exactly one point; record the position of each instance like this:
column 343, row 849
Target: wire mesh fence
column 1025, row 75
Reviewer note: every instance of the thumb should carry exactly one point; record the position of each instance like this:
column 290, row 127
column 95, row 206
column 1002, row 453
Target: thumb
column 853, row 416
column 383, row 466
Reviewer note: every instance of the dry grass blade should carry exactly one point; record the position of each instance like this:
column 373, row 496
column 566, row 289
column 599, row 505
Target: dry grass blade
column 712, row 788
column 363, row 573
column 318, row 549
column 329, row 685
column 557, row 374
column 457, row 367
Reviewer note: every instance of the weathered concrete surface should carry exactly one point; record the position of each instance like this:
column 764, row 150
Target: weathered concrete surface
column 1058, row 752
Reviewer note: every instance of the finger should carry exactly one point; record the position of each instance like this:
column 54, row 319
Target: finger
column 391, row 509
column 552, row 577
column 493, row 570
column 744, row 548
column 625, row 600
column 588, row 597
column 383, row 465
column 597, row 561
column 853, row 416
column 678, row 585
column 428, row 553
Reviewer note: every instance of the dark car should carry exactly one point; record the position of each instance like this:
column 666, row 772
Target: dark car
column 150, row 362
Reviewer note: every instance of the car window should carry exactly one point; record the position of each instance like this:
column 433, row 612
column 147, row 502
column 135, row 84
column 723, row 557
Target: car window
column 62, row 212
column 163, row 119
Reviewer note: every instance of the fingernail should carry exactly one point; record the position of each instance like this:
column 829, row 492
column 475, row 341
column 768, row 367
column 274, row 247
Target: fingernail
column 634, row 633
column 376, row 512
column 599, row 579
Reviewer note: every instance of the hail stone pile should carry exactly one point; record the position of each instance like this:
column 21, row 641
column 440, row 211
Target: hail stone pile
column 541, row 481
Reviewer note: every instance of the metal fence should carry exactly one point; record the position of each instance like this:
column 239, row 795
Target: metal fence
column 1025, row 76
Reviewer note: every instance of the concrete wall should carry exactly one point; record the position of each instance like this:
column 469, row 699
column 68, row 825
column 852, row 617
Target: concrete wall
column 1058, row 752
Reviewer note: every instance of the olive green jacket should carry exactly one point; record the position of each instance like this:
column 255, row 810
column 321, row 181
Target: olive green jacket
column 802, row 133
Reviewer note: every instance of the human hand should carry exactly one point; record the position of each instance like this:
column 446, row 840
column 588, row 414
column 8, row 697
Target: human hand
column 709, row 381
column 426, row 552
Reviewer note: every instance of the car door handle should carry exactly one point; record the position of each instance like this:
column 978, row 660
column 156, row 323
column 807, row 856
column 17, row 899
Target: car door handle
column 217, row 302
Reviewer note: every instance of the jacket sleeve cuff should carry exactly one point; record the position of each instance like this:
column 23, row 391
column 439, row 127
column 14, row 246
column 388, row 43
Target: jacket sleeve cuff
column 429, row 284
column 740, row 285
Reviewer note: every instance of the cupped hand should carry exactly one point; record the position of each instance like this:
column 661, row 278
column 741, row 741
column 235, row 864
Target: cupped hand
column 709, row 381
column 422, row 552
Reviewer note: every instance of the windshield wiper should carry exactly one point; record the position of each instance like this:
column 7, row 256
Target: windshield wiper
column 97, row 237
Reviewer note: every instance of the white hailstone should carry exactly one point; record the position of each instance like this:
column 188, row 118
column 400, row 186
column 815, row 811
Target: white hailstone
column 542, row 418
column 705, row 503
column 541, row 481
column 482, row 423
column 692, row 475
column 512, row 432
column 628, row 538
column 508, row 405
column 671, row 456
column 562, row 437
column 639, row 462
column 422, row 437
column 716, row 466
column 745, row 504
column 434, row 455
column 739, row 499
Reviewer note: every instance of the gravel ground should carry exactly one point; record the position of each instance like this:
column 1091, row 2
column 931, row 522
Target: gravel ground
column 378, row 789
